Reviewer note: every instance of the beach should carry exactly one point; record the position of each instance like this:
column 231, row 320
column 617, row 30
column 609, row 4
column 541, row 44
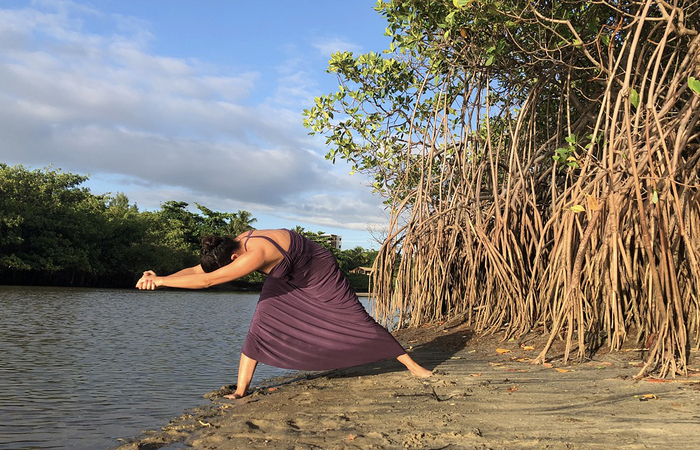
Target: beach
column 484, row 394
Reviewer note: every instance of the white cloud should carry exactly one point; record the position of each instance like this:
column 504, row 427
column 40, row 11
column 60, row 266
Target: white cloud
column 333, row 45
column 164, row 128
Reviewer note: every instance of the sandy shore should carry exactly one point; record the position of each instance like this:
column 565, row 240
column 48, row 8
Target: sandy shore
column 485, row 395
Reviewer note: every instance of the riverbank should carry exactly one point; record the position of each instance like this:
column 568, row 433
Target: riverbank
column 485, row 394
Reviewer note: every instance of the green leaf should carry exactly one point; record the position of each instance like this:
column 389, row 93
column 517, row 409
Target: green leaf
column 655, row 197
column 461, row 3
column 489, row 61
column 634, row 98
column 694, row 84
column 578, row 208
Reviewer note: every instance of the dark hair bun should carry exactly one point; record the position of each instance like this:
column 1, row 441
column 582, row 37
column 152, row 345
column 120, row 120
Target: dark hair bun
column 210, row 242
column 216, row 251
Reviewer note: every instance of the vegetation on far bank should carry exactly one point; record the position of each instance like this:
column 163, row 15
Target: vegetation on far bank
column 55, row 232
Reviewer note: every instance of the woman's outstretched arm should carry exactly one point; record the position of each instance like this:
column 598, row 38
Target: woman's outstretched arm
column 187, row 271
column 196, row 278
column 146, row 280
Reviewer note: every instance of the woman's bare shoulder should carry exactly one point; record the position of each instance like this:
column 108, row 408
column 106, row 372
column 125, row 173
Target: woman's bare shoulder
column 275, row 234
column 280, row 236
column 242, row 235
column 253, row 233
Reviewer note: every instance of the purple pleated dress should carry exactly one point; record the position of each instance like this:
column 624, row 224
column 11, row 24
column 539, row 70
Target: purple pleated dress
column 309, row 318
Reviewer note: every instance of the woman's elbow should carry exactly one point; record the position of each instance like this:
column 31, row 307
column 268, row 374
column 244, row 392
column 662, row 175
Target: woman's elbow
column 212, row 281
column 207, row 283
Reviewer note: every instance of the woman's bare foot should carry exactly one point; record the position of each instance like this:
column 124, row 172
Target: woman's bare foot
column 415, row 368
column 246, row 368
column 234, row 396
column 421, row 372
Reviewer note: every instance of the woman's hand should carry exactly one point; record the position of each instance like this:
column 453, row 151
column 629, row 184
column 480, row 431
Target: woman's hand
column 149, row 281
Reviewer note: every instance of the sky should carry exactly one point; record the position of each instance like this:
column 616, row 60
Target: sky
column 195, row 101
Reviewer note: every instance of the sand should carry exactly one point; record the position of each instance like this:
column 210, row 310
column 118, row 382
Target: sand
column 485, row 394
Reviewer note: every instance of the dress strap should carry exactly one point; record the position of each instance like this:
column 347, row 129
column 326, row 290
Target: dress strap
column 248, row 236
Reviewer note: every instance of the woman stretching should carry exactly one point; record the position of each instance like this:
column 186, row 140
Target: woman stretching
column 308, row 317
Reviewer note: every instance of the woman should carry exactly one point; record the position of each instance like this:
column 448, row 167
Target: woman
column 308, row 317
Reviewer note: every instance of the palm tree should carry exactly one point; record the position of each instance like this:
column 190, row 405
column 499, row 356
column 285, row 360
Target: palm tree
column 242, row 222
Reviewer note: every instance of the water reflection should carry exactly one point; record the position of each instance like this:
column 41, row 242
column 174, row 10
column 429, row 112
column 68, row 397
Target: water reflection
column 81, row 367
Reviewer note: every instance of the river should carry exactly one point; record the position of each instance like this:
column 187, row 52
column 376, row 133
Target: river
column 81, row 368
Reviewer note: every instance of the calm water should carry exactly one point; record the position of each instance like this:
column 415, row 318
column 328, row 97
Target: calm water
column 80, row 368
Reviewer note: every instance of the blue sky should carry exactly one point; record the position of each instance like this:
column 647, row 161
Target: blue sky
column 195, row 101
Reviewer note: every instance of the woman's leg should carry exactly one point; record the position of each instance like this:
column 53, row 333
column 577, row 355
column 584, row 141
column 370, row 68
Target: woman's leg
column 415, row 368
column 246, row 368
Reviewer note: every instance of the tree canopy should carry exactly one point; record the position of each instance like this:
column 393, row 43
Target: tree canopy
column 53, row 231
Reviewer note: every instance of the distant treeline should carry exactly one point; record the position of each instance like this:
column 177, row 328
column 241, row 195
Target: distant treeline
column 55, row 232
